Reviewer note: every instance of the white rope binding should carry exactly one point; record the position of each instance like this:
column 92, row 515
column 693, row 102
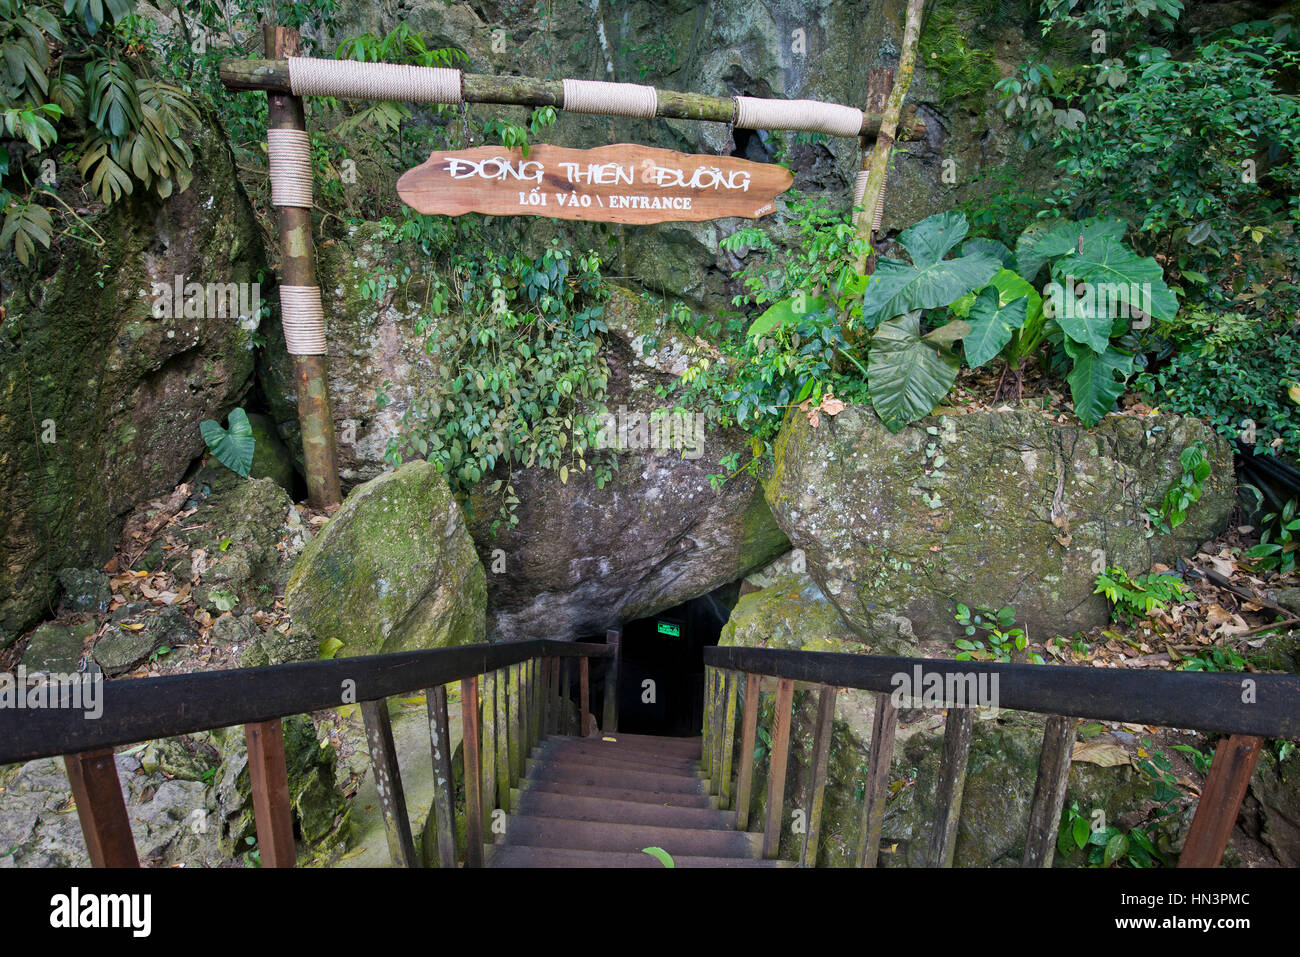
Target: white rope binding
column 303, row 320
column 312, row 76
column 614, row 99
column 811, row 116
column 289, row 161
column 859, row 192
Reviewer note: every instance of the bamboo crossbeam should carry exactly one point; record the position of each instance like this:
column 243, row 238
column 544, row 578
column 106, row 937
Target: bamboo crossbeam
column 272, row 76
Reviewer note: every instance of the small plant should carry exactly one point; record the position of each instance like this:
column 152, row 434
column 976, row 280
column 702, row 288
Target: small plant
column 253, row 856
column 1131, row 597
column 1000, row 633
column 159, row 652
column 1200, row 760
column 1185, row 493
column 660, row 855
column 1277, row 546
column 1215, row 659
column 232, row 447
column 223, row 599
column 1106, row 845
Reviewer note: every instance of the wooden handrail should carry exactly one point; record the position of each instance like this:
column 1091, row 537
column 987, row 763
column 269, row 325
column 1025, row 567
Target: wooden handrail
column 1246, row 706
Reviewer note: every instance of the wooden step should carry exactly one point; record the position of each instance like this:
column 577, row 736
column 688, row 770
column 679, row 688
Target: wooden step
column 614, row 756
column 576, row 759
column 583, row 808
column 578, row 835
column 507, row 855
column 635, row 795
column 681, row 747
column 604, row 777
column 597, row 746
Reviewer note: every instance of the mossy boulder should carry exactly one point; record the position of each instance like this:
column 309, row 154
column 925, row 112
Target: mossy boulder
column 394, row 570
column 1024, row 511
column 100, row 400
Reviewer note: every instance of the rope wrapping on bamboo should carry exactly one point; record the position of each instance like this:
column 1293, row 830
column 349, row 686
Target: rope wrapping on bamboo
column 289, row 161
column 303, row 320
column 811, row 116
column 312, row 76
column 614, row 99
column 859, row 192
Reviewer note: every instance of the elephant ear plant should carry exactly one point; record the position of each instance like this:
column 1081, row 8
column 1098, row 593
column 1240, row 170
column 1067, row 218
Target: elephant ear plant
column 986, row 294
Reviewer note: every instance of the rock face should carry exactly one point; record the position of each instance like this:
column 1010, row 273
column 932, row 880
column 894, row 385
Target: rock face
column 100, row 401
column 1023, row 512
column 394, row 570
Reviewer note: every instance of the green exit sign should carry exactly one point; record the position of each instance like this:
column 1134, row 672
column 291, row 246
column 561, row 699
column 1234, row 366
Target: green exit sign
column 668, row 628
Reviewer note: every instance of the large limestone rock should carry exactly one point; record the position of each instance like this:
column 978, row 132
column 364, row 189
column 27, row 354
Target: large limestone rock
column 394, row 570
column 1023, row 512
column 100, row 402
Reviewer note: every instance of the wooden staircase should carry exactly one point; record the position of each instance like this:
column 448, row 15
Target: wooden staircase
column 598, row 801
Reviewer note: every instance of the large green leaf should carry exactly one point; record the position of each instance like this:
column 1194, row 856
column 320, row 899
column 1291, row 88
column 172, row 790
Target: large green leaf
column 907, row 376
column 233, row 448
column 992, row 325
column 1118, row 280
column 1037, row 244
column 1010, row 287
column 784, row 312
column 1092, row 380
column 930, row 281
column 993, row 248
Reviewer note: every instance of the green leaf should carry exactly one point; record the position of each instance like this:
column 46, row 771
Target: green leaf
column 1117, row 277
column 993, row 248
column 1039, row 243
column 991, row 325
column 907, row 376
column 1093, row 385
column 930, row 282
column 233, row 448
column 1116, row 848
column 783, row 312
column 1080, row 831
column 659, row 854
column 330, row 647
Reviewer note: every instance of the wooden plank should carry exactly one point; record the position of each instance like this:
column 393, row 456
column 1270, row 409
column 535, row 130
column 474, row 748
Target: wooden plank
column 534, row 702
column 1049, row 790
column 584, row 695
column 268, row 777
column 101, row 808
column 728, row 736
column 502, row 757
column 1216, row 812
column 388, row 782
column 515, row 711
column 779, row 757
column 820, row 767
column 470, row 731
column 566, row 719
column 620, row 183
column 613, row 638
column 748, row 738
column 444, row 782
column 707, row 731
column 883, row 727
column 952, row 783
column 489, row 693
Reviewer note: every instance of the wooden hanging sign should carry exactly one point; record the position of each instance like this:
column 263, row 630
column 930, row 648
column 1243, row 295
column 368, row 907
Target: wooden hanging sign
column 623, row 183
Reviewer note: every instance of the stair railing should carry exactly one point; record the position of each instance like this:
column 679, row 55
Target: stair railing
column 1248, row 707
column 512, row 695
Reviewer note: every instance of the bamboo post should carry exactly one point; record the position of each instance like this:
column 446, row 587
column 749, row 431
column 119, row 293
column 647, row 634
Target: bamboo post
column 889, row 125
column 298, row 268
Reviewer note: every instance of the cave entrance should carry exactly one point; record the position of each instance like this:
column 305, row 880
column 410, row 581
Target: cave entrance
column 661, row 665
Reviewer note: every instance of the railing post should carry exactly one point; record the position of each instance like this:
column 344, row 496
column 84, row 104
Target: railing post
column 489, row 683
column 101, row 808
column 706, row 729
column 503, row 740
column 584, row 695
column 269, row 779
column 388, row 782
column 444, row 781
column 515, row 711
column 469, row 725
column 884, row 724
column 820, row 766
column 609, row 725
column 566, row 724
column 731, row 679
column 748, row 736
column 779, row 756
column 952, row 784
column 1225, row 788
column 1049, row 790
